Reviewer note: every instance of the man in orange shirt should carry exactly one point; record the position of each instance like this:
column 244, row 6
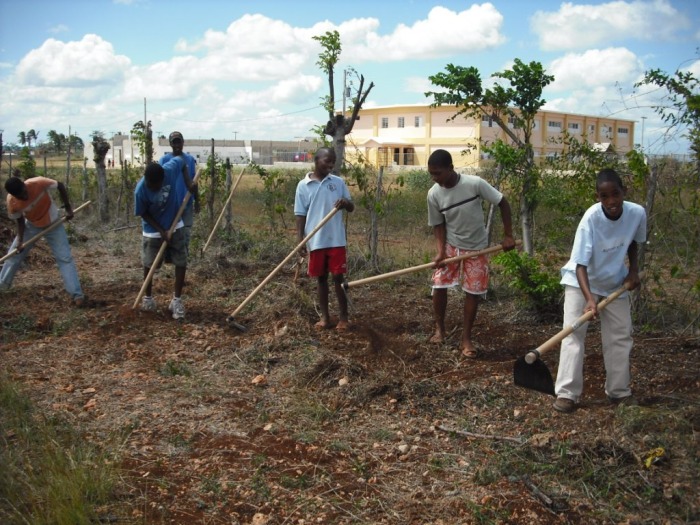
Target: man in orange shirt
column 31, row 205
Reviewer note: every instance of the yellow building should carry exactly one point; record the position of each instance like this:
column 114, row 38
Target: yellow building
column 406, row 135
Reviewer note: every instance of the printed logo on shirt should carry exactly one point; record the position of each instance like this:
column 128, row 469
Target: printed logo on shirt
column 331, row 186
column 620, row 244
column 161, row 201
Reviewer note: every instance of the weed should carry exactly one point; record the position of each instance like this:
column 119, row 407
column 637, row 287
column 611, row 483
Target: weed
column 383, row 434
column 211, row 484
column 173, row 368
column 20, row 325
column 300, row 482
column 47, row 474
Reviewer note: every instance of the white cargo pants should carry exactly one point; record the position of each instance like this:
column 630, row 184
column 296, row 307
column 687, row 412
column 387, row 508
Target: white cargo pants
column 616, row 331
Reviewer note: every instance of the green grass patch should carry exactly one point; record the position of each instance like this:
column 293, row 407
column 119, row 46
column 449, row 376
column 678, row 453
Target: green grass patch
column 48, row 473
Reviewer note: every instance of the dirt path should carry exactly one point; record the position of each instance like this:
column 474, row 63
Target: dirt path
column 338, row 428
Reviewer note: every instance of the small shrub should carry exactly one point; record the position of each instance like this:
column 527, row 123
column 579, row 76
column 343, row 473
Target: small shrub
column 173, row 368
column 542, row 291
column 418, row 180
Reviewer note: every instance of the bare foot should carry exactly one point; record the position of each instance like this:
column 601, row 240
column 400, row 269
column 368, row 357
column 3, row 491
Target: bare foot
column 469, row 351
column 323, row 325
column 342, row 326
column 438, row 338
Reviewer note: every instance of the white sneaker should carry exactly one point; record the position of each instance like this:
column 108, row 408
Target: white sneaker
column 148, row 304
column 177, row 308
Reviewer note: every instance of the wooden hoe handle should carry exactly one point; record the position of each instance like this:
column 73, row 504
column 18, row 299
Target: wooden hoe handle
column 535, row 354
column 223, row 210
column 425, row 266
column 164, row 245
column 43, row 232
column 286, row 259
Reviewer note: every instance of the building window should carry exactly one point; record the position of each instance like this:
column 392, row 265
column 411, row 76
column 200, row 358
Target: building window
column 622, row 131
column 573, row 126
column 418, row 122
column 553, row 124
column 591, row 128
column 401, row 122
column 513, row 122
column 486, row 120
column 385, row 122
column 535, row 124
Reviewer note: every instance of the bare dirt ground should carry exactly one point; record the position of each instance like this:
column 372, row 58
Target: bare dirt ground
column 284, row 424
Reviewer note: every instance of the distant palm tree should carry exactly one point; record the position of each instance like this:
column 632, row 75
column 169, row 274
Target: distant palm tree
column 22, row 138
column 32, row 135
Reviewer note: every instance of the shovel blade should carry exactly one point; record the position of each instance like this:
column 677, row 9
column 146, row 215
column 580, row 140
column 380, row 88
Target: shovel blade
column 535, row 376
column 238, row 326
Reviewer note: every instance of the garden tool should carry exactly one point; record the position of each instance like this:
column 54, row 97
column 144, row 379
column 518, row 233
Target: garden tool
column 163, row 246
column 531, row 372
column 426, row 266
column 43, row 232
column 231, row 318
column 223, row 210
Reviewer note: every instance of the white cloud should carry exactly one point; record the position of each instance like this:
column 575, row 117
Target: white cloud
column 60, row 28
column 443, row 32
column 89, row 62
column 694, row 69
column 597, row 67
column 418, row 85
column 584, row 25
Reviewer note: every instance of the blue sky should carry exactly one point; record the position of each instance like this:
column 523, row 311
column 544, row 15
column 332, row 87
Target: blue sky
column 243, row 69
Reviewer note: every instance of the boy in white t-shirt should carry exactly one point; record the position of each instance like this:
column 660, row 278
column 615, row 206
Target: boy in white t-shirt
column 607, row 235
column 316, row 195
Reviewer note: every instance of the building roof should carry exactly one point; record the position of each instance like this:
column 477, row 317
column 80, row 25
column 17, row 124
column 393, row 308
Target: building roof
column 378, row 142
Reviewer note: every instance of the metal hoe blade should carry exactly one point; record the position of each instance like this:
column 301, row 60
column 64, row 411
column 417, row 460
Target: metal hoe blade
column 535, row 376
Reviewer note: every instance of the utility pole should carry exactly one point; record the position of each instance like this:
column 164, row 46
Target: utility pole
column 643, row 119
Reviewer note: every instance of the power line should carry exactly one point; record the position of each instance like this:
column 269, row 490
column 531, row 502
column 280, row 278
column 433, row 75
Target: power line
column 235, row 121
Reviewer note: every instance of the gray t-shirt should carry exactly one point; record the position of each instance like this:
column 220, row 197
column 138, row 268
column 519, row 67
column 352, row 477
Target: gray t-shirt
column 460, row 209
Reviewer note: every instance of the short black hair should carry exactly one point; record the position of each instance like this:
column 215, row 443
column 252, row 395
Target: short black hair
column 608, row 175
column 321, row 151
column 441, row 158
column 154, row 174
column 14, row 186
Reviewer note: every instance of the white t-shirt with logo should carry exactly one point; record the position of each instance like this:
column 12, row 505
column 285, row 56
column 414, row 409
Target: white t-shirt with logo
column 601, row 246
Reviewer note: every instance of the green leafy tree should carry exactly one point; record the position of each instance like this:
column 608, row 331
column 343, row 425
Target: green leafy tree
column 57, row 141
column 32, row 136
column 338, row 125
column 76, row 143
column 681, row 105
column 519, row 99
column 27, row 165
column 143, row 136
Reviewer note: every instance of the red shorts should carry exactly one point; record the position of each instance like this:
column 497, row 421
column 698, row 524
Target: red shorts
column 471, row 273
column 327, row 260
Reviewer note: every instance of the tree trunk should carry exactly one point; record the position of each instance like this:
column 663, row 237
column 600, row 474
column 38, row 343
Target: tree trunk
column 85, row 180
column 527, row 207
column 102, row 191
column 374, row 221
column 492, row 208
column 649, row 206
column 212, row 184
column 229, row 209
column 68, row 168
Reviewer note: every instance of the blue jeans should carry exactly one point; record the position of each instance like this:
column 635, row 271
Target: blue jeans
column 58, row 241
